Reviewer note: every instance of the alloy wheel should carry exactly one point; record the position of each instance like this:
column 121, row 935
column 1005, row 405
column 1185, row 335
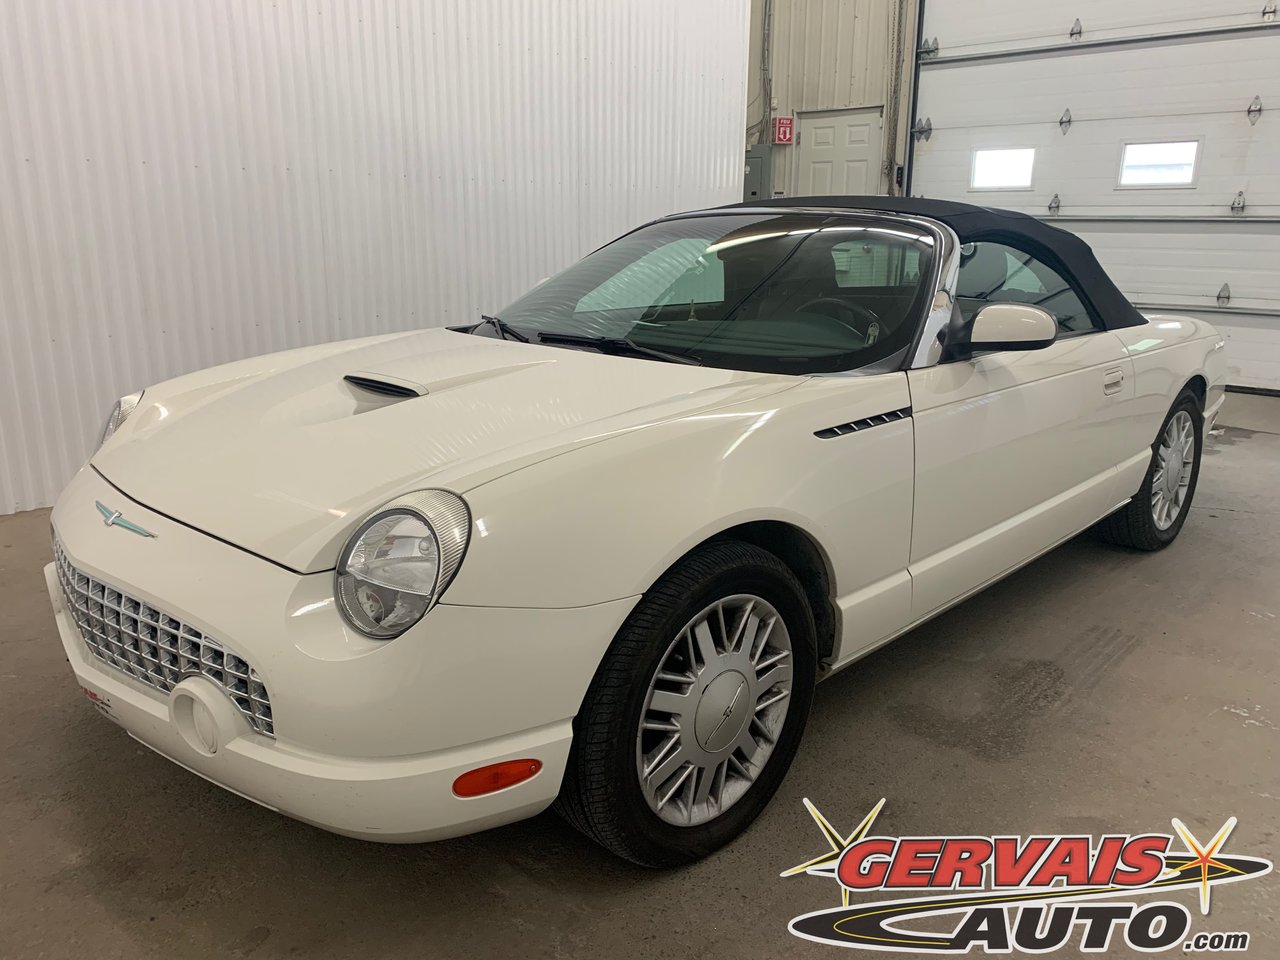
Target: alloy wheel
column 714, row 710
column 1175, row 461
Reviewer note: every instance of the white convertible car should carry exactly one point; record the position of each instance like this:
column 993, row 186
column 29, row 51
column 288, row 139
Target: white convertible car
column 595, row 552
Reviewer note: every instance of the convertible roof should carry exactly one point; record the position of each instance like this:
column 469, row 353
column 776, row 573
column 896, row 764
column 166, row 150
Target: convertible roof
column 1062, row 250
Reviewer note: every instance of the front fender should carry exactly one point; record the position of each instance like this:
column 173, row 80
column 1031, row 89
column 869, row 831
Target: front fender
column 604, row 522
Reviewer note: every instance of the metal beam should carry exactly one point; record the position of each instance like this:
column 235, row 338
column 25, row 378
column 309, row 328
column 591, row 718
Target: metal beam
column 915, row 104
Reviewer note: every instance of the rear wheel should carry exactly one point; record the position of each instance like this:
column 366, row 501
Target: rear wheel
column 697, row 709
column 1155, row 515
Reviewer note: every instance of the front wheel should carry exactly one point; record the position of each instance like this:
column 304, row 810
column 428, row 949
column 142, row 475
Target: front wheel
column 696, row 710
column 1152, row 519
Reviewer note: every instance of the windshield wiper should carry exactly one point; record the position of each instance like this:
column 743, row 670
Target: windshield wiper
column 617, row 346
column 505, row 330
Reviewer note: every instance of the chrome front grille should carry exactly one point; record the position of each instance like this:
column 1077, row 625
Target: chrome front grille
column 153, row 647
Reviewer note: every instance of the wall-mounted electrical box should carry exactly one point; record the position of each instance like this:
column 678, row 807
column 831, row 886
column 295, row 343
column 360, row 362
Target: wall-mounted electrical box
column 757, row 178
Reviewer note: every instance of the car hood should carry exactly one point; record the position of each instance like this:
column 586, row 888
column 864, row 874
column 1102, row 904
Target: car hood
column 282, row 456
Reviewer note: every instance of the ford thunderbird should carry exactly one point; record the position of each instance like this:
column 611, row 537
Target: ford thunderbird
column 595, row 550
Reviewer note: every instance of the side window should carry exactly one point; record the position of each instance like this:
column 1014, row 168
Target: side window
column 862, row 264
column 995, row 273
column 679, row 272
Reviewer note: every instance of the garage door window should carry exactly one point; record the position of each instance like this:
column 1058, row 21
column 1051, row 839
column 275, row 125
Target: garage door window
column 995, row 273
column 1002, row 169
column 1159, row 164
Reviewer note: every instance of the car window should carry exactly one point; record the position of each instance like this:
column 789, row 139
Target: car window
column 781, row 293
column 863, row 264
column 679, row 272
column 996, row 273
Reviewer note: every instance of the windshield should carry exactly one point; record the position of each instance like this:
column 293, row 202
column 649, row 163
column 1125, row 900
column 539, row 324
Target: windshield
column 776, row 293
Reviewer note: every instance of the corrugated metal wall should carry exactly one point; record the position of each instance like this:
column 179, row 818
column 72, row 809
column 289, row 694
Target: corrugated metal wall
column 830, row 55
column 183, row 184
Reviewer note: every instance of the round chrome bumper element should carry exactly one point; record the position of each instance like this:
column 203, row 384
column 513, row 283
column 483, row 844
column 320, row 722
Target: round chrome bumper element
column 206, row 719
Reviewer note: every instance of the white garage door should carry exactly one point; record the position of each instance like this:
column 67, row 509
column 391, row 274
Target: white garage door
column 1149, row 127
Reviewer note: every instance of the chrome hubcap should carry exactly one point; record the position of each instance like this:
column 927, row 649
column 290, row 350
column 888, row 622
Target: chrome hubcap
column 1175, row 458
column 714, row 710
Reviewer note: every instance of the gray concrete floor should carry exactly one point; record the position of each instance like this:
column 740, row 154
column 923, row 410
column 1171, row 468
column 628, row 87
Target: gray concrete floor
column 1094, row 691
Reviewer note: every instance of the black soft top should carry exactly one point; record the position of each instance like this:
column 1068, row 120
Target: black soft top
column 1063, row 251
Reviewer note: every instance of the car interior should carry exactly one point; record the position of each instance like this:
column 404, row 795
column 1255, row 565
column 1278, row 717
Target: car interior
column 996, row 273
column 832, row 297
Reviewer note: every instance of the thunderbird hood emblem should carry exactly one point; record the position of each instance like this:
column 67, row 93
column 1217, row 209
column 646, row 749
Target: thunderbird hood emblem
column 113, row 518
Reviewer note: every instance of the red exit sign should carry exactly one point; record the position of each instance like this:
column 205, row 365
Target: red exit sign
column 784, row 129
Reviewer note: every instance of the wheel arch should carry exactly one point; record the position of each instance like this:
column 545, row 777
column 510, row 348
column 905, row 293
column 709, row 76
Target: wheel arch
column 805, row 557
column 1199, row 386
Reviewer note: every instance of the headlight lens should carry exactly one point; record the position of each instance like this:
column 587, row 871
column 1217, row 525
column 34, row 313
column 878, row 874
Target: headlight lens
column 396, row 565
column 119, row 414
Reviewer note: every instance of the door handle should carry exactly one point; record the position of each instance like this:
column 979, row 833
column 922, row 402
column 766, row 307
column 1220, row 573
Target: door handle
column 1113, row 381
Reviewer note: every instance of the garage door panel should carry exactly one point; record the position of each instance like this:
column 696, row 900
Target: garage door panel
column 1084, row 163
column 1218, row 76
column 1253, row 349
column 1154, row 265
column 1085, row 174
column 965, row 28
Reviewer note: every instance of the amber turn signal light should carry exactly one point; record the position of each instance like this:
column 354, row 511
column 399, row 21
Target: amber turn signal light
column 496, row 776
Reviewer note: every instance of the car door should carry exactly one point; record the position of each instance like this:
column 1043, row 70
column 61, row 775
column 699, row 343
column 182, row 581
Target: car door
column 1015, row 450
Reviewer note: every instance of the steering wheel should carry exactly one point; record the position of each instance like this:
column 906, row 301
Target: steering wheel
column 851, row 315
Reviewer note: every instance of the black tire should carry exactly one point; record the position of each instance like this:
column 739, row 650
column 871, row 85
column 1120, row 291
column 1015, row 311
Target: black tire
column 1134, row 525
column 601, row 794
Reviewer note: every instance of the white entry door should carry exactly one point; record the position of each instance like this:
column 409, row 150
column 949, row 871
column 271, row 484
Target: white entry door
column 839, row 153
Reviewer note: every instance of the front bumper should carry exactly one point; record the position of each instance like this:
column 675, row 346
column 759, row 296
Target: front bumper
column 369, row 737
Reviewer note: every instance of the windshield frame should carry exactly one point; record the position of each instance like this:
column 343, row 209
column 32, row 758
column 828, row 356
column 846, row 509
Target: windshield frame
column 918, row 314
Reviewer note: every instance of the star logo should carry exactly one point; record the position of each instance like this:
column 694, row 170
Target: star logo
column 825, row 863
column 1203, row 856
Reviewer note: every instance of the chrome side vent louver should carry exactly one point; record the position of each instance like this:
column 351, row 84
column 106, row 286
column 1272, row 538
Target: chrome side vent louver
column 865, row 423
column 385, row 386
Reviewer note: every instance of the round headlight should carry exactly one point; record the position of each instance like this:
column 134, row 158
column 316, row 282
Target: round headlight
column 399, row 561
column 119, row 414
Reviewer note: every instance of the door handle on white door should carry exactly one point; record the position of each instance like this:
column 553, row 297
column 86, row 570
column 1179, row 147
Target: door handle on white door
column 1113, row 381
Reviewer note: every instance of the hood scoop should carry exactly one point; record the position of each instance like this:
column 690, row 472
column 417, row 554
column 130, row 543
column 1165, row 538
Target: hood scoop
column 383, row 385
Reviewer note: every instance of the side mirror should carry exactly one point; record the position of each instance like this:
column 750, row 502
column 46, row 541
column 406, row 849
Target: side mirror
column 1011, row 326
